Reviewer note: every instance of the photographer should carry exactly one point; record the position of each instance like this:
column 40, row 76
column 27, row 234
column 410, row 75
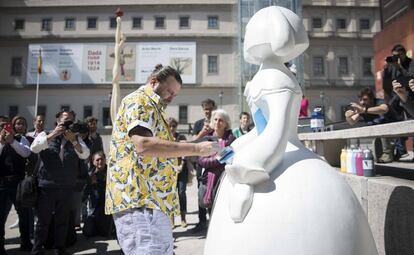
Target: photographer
column 372, row 111
column 406, row 96
column 61, row 152
column 398, row 70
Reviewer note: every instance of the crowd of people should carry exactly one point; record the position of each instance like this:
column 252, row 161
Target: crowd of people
column 143, row 186
column 70, row 167
column 397, row 105
column 71, row 172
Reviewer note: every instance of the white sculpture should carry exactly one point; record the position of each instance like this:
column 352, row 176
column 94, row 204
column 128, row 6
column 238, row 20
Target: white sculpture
column 278, row 197
column 117, row 68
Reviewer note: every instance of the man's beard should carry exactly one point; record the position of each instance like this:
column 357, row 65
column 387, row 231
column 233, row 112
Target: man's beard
column 164, row 103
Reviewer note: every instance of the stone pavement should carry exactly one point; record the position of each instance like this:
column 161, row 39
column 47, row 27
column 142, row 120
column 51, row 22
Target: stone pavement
column 186, row 243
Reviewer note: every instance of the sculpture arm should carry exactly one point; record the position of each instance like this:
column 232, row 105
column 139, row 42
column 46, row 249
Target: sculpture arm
column 254, row 163
column 244, row 140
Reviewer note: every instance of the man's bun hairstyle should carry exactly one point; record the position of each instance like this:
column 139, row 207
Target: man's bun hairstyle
column 161, row 73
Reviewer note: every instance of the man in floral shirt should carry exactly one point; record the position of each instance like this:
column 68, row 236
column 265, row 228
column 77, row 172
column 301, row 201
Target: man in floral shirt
column 141, row 185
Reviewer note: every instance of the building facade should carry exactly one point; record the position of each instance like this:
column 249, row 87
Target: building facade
column 210, row 25
column 339, row 61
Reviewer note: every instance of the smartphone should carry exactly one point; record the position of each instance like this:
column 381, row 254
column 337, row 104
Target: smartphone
column 226, row 154
column 8, row 127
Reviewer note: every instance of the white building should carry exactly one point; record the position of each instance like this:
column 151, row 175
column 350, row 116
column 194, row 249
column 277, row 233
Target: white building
column 210, row 25
column 339, row 61
column 337, row 64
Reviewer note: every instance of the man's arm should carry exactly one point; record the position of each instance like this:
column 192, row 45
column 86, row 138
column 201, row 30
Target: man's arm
column 352, row 117
column 379, row 110
column 22, row 148
column 148, row 145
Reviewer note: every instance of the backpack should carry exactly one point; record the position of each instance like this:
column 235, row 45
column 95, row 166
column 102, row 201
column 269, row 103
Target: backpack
column 26, row 194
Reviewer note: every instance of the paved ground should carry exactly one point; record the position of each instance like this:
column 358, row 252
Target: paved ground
column 185, row 242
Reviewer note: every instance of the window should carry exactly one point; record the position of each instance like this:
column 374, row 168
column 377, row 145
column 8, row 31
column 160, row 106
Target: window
column 18, row 24
column 47, row 24
column 212, row 64
column 212, row 22
column 70, row 24
column 366, row 66
column 364, row 24
column 316, row 23
column 183, row 114
column 136, row 22
column 340, row 23
column 87, row 111
column 159, row 22
column 112, row 22
column 13, row 111
column 41, row 110
column 92, row 22
column 318, row 66
column 65, row 107
column 343, row 66
column 184, row 22
column 16, row 66
column 106, row 116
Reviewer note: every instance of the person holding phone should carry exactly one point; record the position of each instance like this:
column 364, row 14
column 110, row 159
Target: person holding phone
column 372, row 111
column 398, row 72
column 13, row 150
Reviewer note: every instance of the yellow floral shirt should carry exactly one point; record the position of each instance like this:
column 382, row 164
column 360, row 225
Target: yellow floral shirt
column 135, row 180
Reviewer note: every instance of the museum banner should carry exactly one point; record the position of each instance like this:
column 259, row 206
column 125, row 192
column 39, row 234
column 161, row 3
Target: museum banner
column 74, row 63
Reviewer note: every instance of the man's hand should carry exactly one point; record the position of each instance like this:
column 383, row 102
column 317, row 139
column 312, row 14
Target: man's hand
column 9, row 137
column 2, row 136
column 70, row 136
column 59, row 129
column 350, row 113
column 358, row 108
column 400, row 90
column 206, row 129
column 208, row 148
column 411, row 84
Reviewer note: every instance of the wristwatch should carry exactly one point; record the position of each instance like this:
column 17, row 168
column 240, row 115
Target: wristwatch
column 74, row 143
column 366, row 110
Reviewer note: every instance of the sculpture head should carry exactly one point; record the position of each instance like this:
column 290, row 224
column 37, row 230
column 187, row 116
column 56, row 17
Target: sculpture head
column 274, row 31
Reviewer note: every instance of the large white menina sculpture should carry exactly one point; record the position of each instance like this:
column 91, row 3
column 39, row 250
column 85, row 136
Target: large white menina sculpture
column 277, row 196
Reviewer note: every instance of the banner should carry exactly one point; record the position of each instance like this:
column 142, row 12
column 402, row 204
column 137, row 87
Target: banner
column 61, row 63
column 181, row 56
column 92, row 63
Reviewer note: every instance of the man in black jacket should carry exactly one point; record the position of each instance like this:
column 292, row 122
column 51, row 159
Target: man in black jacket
column 201, row 128
column 398, row 71
column 61, row 152
column 13, row 150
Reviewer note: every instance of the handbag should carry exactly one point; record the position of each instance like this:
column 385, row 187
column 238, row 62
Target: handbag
column 27, row 193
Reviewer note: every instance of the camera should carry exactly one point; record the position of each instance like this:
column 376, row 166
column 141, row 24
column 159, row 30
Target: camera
column 74, row 127
column 391, row 59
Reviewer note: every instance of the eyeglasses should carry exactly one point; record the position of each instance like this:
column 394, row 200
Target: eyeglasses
column 173, row 126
